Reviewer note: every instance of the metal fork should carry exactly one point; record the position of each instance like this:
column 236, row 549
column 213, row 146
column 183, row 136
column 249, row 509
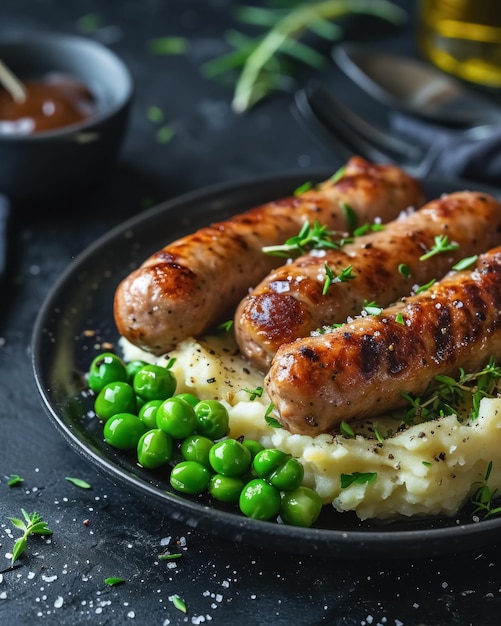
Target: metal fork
column 320, row 113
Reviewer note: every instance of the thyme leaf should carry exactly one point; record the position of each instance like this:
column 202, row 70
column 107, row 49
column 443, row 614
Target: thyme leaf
column 32, row 524
column 441, row 245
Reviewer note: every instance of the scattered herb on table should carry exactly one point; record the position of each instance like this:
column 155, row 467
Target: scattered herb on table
column 15, row 480
column 263, row 63
column 114, row 580
column 164, row 46
column 179, row 603
column 32, row 524
column 174, row 556
column 78, row 482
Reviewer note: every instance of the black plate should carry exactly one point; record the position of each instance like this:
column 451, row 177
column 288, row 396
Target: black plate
column 82, row 300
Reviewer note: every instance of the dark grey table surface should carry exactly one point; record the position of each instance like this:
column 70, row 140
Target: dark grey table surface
column 107, row 531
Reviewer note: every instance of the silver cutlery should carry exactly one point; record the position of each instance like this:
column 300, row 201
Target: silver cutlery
column 415, row 87
column 335, row 125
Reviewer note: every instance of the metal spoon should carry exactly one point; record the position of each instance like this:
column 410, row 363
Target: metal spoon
column 414, row 87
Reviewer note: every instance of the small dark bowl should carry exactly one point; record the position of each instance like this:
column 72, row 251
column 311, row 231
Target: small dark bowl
column 77, row 157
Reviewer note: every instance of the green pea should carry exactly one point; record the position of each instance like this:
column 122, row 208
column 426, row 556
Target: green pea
column 225, row 488
column 117, row 397
column 133, row 368
column 123, row 431
column 253, row 446
column 279, row 469
column 300, row 507
column 148, row 413
column 154, row 382
column 106, row 368
column 176, row 417
column 212, row 419
column 189, row 397
column 259, row 500
column 154, row 449
column 196, row 448
column 229, row 458
column 189, row 477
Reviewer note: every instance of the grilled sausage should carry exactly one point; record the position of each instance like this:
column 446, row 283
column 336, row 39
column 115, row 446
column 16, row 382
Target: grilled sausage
column 359, row 369
column 290, row 303
column 197, row 281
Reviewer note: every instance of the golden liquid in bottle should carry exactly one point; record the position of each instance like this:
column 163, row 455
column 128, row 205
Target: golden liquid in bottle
column 463, row 37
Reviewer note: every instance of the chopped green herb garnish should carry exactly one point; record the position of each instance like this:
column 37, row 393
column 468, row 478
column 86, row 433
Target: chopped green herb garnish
column 365, row 228
column 226, row 326
column 270, row 420
column 254, row 393
column 357, row 478
column 155, row 114
column 425, row 287
column 332, row 278
column 170, row 363
column 78, row 482
column 427, row 463
column 167, row 45
column 179, row 603
column 399, row 319
column 302, row 188
column 442, row 244
column 170, row 557
column 165, row 133
column 336, row 177
column 378, row 435
column 32, row 524
column 404, row 270
column 114, row 580
column 465, row 263
column 371, row 308
column 309, row 238
column 351, row 217
column 346, row 430
column 89, row 23
column 14, row 480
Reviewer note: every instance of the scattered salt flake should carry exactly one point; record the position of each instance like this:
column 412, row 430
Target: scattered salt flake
column 3, row 595
column 58, row 602
column 131, row 614
column 49, row 579
column 31, row 575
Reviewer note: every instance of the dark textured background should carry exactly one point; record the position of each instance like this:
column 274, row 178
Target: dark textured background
column 60, row 580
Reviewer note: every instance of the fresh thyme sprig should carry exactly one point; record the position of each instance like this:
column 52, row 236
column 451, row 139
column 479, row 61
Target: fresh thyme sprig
column 441, row 244
column 310, row 237
column 32, row 524
column 332, row 278
column 484, row 495
column 446, row 395
column 260, row 60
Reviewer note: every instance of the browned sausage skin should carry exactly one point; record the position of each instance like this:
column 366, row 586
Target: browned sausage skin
column 289, row 303
column 197, row 281
column 360, row 369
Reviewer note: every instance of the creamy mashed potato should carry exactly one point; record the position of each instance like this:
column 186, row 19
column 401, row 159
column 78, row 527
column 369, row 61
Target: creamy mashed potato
column 428, row 469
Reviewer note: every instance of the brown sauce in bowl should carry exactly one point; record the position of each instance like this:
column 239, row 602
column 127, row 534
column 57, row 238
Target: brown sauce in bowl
column 51, row 103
